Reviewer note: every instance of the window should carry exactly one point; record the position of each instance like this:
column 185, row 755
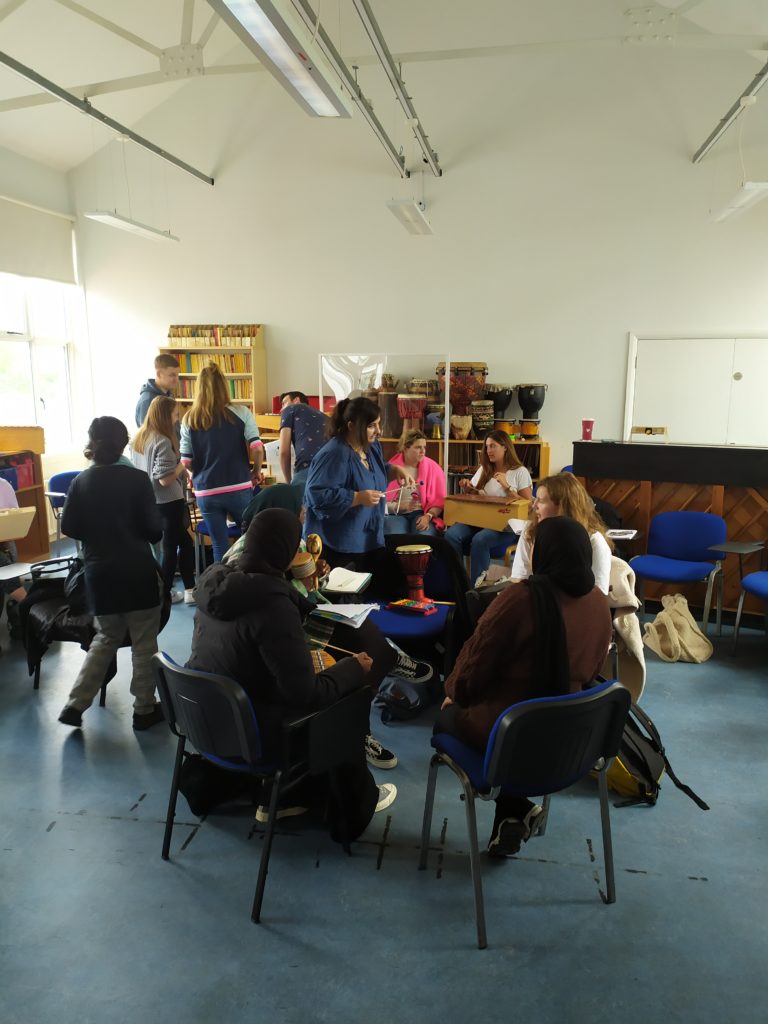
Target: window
column 36, row 341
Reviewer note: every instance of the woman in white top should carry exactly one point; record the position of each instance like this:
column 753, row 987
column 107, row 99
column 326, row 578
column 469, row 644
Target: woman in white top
column 563, row 495
column 501, row 475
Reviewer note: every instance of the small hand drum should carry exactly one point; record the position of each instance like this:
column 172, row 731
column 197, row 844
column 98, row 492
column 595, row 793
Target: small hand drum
column 414, row 559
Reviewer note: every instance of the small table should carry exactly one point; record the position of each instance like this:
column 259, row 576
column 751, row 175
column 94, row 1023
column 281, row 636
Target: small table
column 10, row 572
column 740, row 548
column 483, row 511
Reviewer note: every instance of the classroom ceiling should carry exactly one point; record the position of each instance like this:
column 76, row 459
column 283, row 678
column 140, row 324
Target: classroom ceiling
column 117, row 54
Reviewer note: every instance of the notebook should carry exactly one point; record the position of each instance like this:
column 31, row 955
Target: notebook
column 345, row 581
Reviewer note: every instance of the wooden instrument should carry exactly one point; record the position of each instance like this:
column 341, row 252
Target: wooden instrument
column 321, row 660
column 414, row 559
column 411, row 408
column 314, row 545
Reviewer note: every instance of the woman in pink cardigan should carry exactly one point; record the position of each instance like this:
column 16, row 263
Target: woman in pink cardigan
column 416, row 509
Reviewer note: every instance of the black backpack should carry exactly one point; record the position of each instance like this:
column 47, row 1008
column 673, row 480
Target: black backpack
column 641, row 761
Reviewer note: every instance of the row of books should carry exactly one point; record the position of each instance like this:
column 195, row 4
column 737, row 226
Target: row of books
column 235, row 362
column 237, row 388
column 212, row 335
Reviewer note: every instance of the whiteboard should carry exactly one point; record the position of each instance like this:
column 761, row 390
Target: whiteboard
column 703, row 390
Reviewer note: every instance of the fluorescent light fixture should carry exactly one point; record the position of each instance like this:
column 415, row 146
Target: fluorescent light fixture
column 750, row 193
column 276, row 34
column 125, row 224
column 411, row 215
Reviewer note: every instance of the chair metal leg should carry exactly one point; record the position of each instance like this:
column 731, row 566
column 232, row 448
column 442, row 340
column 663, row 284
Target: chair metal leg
column 474, row 863
column 544, row 816
column 640, row 593
column 429, row 804
column 258, row 896
column 197, row 554
column 173, row 796
column 36, row 683
column 719, row 614
column 708, row 601
column 335, row 798
column 736, row 625
column 605, row 817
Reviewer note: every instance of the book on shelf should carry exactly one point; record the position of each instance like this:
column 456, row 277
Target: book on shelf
column 345, row 581
column 212, row 335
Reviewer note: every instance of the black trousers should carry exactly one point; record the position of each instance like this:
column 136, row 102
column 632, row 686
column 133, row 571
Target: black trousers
column 177, row 544
column 449, row 722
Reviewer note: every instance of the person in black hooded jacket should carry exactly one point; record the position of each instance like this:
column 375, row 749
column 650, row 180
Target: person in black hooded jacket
column 248, row 626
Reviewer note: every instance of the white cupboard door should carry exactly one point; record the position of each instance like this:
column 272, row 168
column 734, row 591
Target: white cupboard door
column 748, row 419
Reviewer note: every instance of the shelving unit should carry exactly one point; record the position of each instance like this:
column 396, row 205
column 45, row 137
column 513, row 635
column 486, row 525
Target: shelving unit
column 29, row 443
column 238, row 349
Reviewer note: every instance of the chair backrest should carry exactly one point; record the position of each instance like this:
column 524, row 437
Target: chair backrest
column 212, row 711
column 547, row 744
column 61, row 482
column 686, row 536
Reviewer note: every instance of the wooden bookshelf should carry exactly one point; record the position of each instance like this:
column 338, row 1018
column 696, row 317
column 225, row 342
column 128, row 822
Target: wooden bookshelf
column 27, row 444
column 238, row 350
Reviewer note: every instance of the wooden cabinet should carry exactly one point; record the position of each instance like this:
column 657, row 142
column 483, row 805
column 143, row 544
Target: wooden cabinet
column 237, row 349
column 26, row 445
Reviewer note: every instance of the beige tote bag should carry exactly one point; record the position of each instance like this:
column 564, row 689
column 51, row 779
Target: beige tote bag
column 674, row 635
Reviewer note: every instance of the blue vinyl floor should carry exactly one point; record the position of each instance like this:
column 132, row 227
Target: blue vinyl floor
column 95, row 927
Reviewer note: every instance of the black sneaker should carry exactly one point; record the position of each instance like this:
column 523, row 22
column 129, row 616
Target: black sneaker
column 141, row 722
column 378, row 755
column 509, row 834
column 409, row 668
column 262, row 812
column 71, row 716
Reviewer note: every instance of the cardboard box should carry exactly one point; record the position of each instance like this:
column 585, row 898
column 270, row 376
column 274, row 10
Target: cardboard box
column 484, row 512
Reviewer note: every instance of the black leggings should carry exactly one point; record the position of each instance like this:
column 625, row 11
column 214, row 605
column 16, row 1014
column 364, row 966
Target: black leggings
column 177, row 543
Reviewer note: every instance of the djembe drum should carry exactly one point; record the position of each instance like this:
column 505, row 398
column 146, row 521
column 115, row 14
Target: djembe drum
column 391, row 422
column 414, row 559
column 412, row 408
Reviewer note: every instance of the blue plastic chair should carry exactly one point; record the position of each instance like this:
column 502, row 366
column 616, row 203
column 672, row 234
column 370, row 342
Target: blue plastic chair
column 213, row 713
column 59, row 485
column 755, row 583
column 536, row 748
column 679, row 552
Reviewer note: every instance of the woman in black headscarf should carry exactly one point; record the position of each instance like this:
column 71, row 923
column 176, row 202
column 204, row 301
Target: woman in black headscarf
column 545, row 636
column 248, row 626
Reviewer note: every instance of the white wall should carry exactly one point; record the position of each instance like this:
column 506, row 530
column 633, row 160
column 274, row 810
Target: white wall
column 569, row 214
column 31, row 182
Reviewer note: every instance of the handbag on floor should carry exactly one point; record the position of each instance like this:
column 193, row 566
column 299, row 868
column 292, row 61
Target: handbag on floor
column 637, row 769
column 674, row 635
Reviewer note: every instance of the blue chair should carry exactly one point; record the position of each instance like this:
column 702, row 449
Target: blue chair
column 536, row 748
column 679, row 546
column 215, row 715
column 755, row 583
column 59, row 485
column 202, row 531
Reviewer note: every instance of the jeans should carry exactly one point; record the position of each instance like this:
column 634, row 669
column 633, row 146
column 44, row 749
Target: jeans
column 405, row 522
column 177, row 544
column 214, row 509
column 142, row 627
column 481, row 542
column 299, row 478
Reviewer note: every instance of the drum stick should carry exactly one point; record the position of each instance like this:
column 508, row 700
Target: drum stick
column 332, row 647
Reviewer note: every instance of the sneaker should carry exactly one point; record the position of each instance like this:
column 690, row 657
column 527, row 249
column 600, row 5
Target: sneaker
column 409, row 668
column 378, row 755
column 387, row 796
column 509, row 834
column 176, row 596
column 141, row 722
column 189, row 596
column 262, row 812
column 71, row 716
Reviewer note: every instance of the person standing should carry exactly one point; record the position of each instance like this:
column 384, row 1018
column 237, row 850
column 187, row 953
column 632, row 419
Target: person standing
column 218, row 442
column 155, row 450
column 111, row 508
column 303, row 427
column 165, row 382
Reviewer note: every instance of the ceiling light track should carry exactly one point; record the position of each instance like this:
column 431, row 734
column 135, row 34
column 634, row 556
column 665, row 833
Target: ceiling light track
column 387, row 61
column 333, row 57
column 86, row 108
column 752, row 89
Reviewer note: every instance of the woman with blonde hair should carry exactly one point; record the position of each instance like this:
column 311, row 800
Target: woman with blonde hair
column 416, row 507
column 155, row 450
column 218, row 441
column 563, row 495
column 501, row 475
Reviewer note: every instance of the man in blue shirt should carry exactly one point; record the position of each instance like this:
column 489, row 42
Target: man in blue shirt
column 165, row 383
column 303, row 427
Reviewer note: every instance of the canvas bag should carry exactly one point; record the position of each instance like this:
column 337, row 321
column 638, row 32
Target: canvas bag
column 674, row 635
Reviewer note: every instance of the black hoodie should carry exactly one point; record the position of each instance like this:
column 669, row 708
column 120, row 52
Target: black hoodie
column 248, row 626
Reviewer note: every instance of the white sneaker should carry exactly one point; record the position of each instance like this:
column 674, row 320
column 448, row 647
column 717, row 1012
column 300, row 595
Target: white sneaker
column 387, row 795
column 176, row 596
column 189, row 596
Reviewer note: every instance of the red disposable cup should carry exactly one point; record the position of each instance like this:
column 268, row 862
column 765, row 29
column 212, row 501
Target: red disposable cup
column 586, row 429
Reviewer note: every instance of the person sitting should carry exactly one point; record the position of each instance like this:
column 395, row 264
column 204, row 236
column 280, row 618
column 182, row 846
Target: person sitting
column 501, row 475
column 13, row 588
column 563, row 495
column 547, row 636
column 344, row 494
column 418, row 507
column 306, row 429
column 248, row 626
column 164, row 384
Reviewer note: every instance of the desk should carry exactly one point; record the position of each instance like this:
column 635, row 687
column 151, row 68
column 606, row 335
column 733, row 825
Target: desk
column 10, row 572
column 740, row 548
column 484, row 512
